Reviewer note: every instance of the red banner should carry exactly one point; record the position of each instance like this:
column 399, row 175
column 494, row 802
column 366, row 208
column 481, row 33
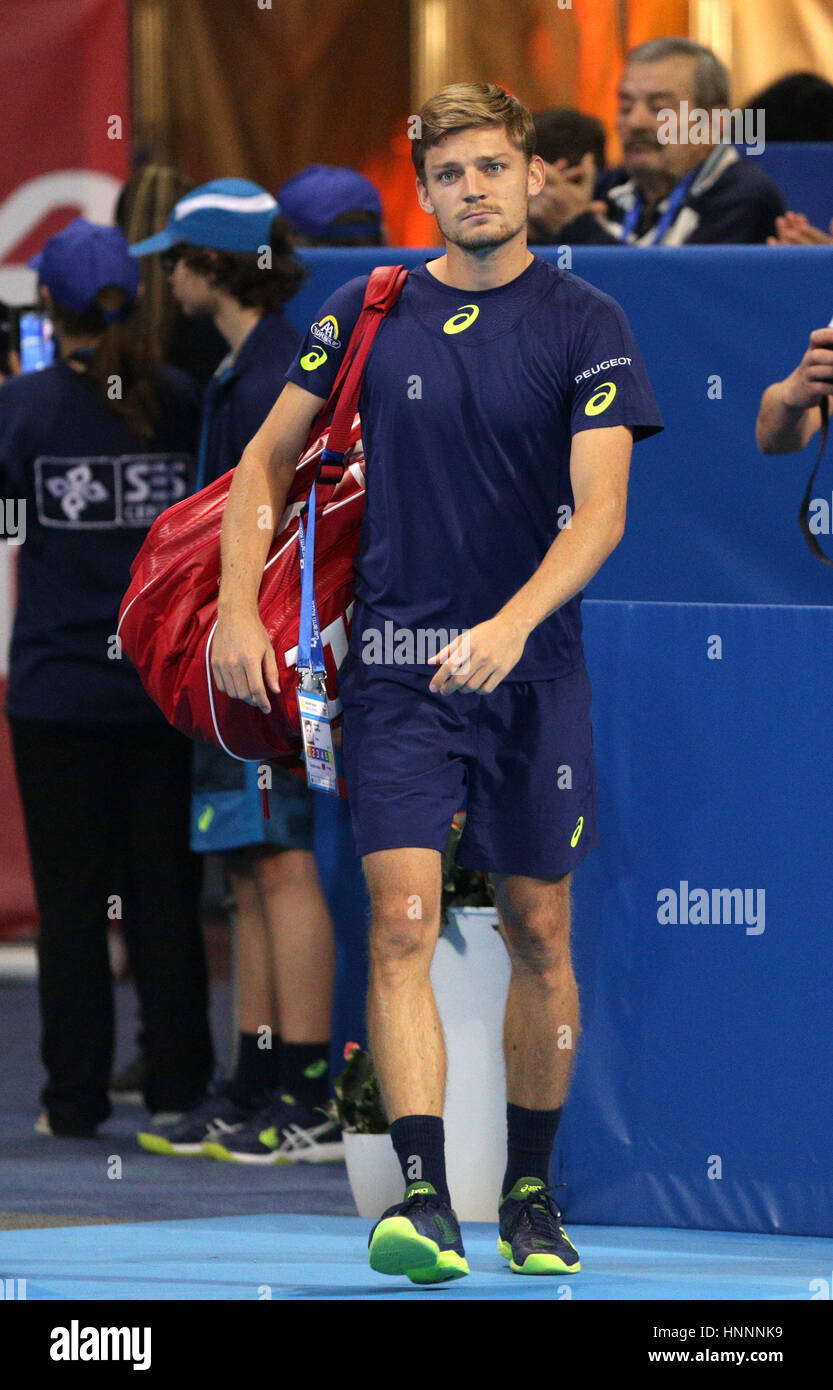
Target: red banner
column 65, row 79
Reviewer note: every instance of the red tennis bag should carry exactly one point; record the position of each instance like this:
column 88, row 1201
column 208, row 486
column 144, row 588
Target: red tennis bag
column 169, row 614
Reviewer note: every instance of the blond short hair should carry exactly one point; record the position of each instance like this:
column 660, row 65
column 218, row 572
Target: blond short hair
column 462, row 105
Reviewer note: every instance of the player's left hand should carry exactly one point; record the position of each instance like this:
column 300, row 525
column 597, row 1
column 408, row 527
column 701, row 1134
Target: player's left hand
column 480, row 657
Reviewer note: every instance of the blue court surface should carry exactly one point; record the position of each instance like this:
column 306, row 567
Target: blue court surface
column 323, row 1257
column 191, row 1229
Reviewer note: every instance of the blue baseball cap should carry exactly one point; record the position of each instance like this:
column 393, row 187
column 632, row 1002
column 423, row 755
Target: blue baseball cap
column 81, row 260
column 226, row 215
column 311, row 200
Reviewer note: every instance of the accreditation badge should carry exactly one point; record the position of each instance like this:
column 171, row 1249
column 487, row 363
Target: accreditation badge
column 318, row 741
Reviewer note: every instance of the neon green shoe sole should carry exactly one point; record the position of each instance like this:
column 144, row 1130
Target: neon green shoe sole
column 154, row 1143
column 398, row 1248
column 540, row 1263
column 214, row 1150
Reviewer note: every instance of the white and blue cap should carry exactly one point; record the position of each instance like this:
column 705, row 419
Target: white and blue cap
column 226, row 215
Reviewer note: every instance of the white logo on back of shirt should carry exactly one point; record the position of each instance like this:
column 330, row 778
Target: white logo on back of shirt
column 131, row 490
column 76, row 490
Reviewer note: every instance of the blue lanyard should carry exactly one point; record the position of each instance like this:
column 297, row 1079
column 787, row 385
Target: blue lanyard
column 310, row 646
column 675, row 201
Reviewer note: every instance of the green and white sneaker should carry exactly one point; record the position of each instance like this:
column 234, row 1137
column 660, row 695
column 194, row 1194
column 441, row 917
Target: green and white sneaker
column 420, row 1237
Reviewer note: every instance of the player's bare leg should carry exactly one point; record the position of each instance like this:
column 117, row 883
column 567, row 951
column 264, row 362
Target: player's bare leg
column 540, row 1036
column 542, row 1009
column 419, row 1237
column 406, row 1037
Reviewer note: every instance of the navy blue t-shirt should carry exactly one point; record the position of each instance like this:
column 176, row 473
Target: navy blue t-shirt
column 91, row 491
column 469, row 403
column 242, row 392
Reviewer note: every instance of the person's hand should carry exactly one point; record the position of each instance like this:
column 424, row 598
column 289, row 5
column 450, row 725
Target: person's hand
column 243, row 660
column 794, row 229
column 813, row 377
column 567, row 193
column 14, row 368
column 480, row 657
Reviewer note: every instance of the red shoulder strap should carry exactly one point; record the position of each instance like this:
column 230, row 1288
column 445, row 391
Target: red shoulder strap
column 383, row 287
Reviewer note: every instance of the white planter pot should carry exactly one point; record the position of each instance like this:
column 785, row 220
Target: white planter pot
column 470, row 974
column 374, row 1172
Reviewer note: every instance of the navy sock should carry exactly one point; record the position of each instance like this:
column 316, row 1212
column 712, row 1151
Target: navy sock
column 305, row 1072
column 255, row 1074
column 419, row 1141
column 531, row 1135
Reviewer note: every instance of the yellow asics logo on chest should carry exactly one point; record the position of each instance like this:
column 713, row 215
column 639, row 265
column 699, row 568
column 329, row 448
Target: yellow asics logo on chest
column 313, row 359
column 600, row 400
column 463, row 318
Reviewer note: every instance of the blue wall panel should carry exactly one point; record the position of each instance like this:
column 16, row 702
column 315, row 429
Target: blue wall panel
column 714, row 1038
column 803, row 171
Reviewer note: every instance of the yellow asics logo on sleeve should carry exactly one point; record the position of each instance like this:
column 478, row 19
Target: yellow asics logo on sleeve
column 577, row 832
column 313, row 359
column 600, row 400
column 464, row 317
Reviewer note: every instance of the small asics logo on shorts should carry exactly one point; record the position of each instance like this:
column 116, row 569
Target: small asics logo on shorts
column 600, row 400
column 463, row 318
column 576, row 836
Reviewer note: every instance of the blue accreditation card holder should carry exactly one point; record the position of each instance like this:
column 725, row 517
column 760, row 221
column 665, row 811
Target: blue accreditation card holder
column 317, row 733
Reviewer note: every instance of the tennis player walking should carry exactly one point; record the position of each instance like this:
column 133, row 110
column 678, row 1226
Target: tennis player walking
column 499, row 407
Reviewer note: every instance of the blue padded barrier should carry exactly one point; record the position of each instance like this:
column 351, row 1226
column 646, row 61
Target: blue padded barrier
column 708, row 1045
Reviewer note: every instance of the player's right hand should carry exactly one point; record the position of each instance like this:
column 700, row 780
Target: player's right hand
column 813, row 377
column 243, row 660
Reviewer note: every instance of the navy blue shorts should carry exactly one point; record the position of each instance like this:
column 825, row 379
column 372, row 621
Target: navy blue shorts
column 519, row 759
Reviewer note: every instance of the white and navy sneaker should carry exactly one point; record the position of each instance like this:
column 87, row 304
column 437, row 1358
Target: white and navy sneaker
column 217, row 1115
column 282, row 1132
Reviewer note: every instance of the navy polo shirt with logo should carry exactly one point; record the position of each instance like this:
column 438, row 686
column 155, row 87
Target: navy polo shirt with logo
column 87, row 490
column 469, row 403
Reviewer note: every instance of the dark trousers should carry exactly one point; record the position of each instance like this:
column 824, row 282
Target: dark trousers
column 107, row 818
